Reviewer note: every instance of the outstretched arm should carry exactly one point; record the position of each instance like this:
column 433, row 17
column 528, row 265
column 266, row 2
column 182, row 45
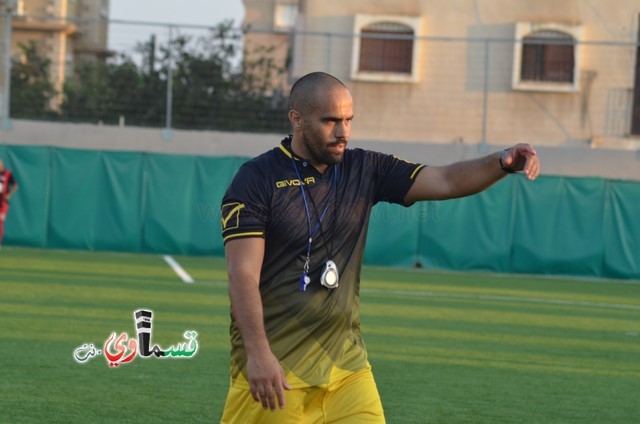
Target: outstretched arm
column 265, row 374
column 473, row 176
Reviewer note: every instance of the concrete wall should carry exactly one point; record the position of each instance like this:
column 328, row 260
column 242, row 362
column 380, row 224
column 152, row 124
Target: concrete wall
column 568, row 161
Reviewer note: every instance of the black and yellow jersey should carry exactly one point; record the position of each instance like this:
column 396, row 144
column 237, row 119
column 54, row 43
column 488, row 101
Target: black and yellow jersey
column 314, row 332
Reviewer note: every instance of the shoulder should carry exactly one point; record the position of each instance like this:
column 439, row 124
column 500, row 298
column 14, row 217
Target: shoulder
column 358, row 155
column 259, row 166
column 252, row 181
column 368, row 158
column 368, row 154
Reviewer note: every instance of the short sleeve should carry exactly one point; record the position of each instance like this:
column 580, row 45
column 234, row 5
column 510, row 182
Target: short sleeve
column 394, row 177
column 245, row 206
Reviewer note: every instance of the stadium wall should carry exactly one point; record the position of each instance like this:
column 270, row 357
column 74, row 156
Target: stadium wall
column 160, row 203
column 567, row 160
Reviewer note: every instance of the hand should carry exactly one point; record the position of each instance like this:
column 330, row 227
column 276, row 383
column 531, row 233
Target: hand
column 267, row 380
column 522, row 157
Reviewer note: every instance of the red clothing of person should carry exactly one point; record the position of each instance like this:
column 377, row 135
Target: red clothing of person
column 7, row 182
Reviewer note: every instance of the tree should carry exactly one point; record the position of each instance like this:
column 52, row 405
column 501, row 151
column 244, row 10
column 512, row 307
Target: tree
column 32, row 93
column 104, row 92
column 212, row 87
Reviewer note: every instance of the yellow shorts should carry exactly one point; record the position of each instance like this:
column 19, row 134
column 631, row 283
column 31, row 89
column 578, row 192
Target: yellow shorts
column 353, row 399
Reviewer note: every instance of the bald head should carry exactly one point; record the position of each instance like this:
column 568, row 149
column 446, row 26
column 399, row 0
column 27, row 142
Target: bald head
column 305, row 92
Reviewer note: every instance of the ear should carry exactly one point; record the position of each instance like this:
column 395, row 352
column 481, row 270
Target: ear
column 295, row 118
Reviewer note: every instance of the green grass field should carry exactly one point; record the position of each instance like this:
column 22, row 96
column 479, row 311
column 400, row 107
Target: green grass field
column 445, row 347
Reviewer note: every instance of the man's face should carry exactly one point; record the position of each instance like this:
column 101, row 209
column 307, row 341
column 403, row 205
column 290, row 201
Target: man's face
column 327, row 127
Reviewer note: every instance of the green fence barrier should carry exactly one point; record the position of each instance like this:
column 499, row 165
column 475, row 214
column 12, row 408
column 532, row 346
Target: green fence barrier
column 622, row 230
column 28, row 219
column 139, row 202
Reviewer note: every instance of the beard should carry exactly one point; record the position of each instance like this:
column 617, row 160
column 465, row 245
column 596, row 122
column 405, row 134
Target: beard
column 318, row 149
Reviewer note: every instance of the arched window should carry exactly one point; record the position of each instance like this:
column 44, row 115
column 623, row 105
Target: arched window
column 548, row 56
column 386, row 47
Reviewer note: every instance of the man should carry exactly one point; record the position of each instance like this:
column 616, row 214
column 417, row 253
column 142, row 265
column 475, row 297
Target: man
column 8, row 187
column 294, row 225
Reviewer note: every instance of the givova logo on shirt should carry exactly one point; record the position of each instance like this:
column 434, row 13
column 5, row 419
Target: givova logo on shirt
column 295, row 182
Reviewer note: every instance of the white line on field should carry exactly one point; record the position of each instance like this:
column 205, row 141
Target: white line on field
column 500, row 298
column 175, row 266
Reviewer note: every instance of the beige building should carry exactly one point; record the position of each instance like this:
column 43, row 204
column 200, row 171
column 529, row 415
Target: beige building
column 65, row 31
column 458, row 71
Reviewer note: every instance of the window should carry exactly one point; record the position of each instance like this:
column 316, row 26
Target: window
column 285, row 16
column 385, row 48
column 546, row 57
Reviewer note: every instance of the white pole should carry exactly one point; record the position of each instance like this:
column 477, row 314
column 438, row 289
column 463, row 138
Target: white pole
column 6, row 98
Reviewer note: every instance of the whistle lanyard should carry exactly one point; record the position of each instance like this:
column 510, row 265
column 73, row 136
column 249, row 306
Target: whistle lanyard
column 312, row 232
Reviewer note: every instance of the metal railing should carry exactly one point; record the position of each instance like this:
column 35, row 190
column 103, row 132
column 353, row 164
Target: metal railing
column 459, row 90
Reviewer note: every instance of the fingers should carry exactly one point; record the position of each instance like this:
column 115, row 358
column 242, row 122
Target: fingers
column 280, row 396
column 263, row 393
column 531, row 167
column 268, row 399
column 270, row 395
column 266, row 380
column 280, row 392
column 254, row 393
column 523, row 157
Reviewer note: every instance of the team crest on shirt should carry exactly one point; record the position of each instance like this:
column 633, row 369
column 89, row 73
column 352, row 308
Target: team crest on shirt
column 231, row 215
